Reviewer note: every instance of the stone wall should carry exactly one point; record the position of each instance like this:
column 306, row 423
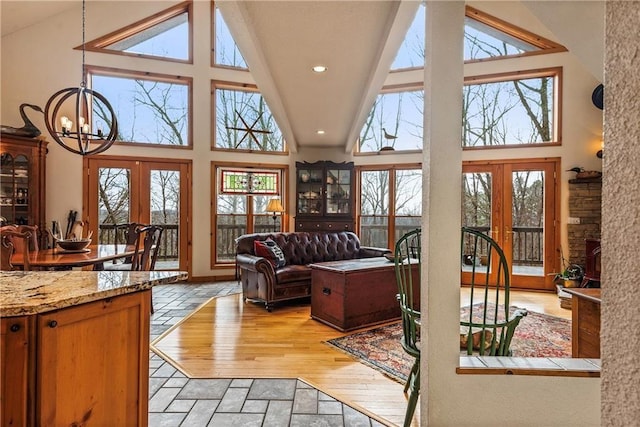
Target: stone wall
column 585, row 203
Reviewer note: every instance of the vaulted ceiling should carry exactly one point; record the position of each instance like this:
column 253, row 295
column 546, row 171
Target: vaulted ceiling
column 357, row 40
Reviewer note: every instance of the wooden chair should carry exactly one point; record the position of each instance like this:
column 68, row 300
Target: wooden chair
column 407, row 266
column 149, row 239
column 126, row 234
column 489, row 326
column 10, row 239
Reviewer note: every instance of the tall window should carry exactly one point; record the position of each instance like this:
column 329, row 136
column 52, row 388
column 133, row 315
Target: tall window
column 395, row 121
column 243, row 120
column 151, row 108
column 225, row 50
column 511, row 110
column 241, row 195
column 390, row 203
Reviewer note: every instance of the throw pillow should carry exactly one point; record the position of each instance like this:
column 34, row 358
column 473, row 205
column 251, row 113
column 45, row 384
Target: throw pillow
column 269, row 250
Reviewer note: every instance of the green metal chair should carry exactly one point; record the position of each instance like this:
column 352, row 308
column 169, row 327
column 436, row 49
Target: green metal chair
column 489, row 326
column 407, row 266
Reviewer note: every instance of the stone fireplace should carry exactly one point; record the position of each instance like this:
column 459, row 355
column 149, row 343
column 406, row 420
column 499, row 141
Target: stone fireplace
column 585, row 196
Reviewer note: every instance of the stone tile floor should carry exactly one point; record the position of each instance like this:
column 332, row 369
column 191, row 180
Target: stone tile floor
column 175, row 400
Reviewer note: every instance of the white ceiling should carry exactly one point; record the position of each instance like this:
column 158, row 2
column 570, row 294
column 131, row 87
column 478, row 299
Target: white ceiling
column 356, row 40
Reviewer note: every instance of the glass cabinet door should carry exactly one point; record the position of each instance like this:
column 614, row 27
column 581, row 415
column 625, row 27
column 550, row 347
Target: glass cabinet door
column 309, row 187
column 14, row 189
column 338, row 197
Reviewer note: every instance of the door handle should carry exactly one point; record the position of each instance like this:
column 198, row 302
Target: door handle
column 494, row 233
column 507, row 233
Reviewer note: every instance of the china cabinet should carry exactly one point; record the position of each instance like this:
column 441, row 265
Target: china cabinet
column 324, row 196
column 22, row 180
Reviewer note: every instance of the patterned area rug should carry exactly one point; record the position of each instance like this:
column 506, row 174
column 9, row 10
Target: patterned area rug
column 537, row 335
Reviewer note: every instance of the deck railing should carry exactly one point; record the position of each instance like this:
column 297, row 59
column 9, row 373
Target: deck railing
column 168, row 243
column 527, row 243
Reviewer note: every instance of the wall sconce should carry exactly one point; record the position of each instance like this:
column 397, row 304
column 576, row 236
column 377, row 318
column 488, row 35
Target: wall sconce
column 600, row 152
column 276, row 207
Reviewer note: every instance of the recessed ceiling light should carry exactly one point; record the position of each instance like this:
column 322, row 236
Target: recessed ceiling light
column 319, row 68
column 320, row 132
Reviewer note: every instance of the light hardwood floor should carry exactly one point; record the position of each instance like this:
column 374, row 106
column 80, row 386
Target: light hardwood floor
column 228, row 338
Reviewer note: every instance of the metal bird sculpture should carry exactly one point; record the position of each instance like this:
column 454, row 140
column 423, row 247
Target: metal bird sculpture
column 28, row 130
column 387, row 135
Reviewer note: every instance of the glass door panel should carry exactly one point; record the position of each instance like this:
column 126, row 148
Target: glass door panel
column 162, row 203
column 478, row 212
column 515, row 204
column 164, row 196
column 527, row 223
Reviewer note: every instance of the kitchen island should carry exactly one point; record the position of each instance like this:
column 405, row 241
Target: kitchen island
column 75, row 346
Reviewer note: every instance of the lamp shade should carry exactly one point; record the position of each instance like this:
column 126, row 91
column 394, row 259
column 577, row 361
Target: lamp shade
column 274, row 206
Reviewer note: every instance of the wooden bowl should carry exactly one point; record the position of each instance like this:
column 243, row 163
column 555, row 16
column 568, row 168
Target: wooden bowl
column 73, row 245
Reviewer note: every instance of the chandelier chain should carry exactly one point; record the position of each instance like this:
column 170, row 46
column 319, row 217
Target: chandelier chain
column 82, row 79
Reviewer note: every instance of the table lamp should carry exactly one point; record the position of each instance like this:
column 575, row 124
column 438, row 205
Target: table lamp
column 274, row 206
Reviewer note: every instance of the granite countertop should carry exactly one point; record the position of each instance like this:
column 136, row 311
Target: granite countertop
column 33, row 292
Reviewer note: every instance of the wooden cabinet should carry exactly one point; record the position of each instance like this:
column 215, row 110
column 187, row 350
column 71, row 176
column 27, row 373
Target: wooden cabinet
column 22, row 180
column 324, row 196
column 14, row 343
column 89, row 364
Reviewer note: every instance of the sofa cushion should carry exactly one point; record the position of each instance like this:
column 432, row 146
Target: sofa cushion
column 269, row 249
column 293, row 273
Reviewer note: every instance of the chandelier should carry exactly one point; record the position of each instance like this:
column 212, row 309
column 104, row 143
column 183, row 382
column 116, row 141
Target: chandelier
column 76, row 134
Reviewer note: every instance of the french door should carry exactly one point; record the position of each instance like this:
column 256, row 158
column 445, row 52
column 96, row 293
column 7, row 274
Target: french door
column 516, row 203
column 120, row 190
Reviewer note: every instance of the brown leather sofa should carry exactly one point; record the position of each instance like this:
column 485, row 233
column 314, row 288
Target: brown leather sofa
column 263, row 283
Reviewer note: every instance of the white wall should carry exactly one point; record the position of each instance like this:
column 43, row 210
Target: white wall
column 39, row 60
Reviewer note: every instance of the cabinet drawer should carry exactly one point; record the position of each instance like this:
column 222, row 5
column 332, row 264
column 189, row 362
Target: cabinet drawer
column 319, row 225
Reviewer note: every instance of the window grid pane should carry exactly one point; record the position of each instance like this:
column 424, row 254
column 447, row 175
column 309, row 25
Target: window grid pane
column 395, row 121
column 509, row 112
column 148, row 111
column 244, row 122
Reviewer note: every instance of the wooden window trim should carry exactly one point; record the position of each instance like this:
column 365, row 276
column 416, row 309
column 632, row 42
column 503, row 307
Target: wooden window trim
column 101, row 44
column 163, row 78
column 545, row 45
column 555, row 72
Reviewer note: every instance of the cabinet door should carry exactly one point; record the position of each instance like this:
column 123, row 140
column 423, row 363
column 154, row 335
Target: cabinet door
column 338, row 192
column 310, row 191
column 14, row 189
column 14, row 358
column 93, row 363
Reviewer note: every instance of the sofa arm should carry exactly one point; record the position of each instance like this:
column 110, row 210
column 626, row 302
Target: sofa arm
column 370, row 252
column 256, row 263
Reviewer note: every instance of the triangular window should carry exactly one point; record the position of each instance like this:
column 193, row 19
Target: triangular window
column 411, row 52
column 487, row 37
column 165, row 35
column 225, row 50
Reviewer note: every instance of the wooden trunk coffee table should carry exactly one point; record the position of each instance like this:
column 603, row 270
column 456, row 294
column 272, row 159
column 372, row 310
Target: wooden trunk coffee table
column 352, row 294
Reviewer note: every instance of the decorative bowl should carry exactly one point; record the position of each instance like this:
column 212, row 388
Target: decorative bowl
column 73, row 245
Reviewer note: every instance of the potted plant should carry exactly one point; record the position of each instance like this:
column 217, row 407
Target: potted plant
column 571, row 275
